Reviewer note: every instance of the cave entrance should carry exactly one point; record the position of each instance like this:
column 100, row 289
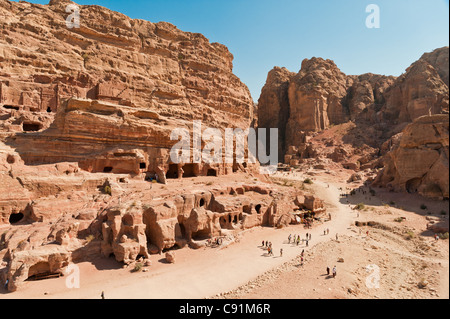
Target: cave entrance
column 173, row 171
column 223, row 222
column 107, row 169
column 189, row 170
column 183, row 231
column 412, row 185
column 258, row 208
column 211, row 172
column 202, row 202
column 235, row 166
column 14, row 218
column 31, row 127
column 10, row 159
column 10, row 107
column 41, row 271
column 202, row 234
column 142, row 165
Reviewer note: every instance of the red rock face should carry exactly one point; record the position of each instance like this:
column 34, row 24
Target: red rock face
column 145, row 80
column 420, row 91
column 418, row 162
column 85, row 122
column 320, row 96
column 273, row 109
column 116, row 59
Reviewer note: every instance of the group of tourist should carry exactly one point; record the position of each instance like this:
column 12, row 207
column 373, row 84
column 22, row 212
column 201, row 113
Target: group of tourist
column 296, row 239
column 268, row 246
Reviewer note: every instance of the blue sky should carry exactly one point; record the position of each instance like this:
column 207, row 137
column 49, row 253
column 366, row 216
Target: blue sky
column 262, row 34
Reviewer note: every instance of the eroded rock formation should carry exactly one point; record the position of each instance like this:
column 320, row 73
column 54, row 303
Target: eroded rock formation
column 328, row 119
column 419, row 161
column 85, row 121
column 320, row 96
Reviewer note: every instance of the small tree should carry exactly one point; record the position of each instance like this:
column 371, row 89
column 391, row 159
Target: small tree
column 107, row 189
column 138, row 267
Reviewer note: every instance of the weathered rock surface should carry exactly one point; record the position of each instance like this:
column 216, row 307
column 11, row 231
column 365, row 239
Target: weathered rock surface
column 114, row 58
column 419, row 162
column 320, row 96
column 107, row 95
column 273, row 108
column 328, row 119
column 85, row 121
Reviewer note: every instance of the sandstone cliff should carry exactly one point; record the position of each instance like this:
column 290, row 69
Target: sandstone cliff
column 419, row 161
column 152, row 67
column 85, row 121
column 274, row 110
column 320, row 96
column 323, row 114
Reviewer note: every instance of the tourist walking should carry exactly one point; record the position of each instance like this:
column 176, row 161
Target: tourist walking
column 328, row 271
column 334, row 272
column 281, row 252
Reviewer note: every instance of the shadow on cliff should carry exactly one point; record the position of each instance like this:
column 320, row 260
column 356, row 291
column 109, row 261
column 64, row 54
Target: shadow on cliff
column 92, row 253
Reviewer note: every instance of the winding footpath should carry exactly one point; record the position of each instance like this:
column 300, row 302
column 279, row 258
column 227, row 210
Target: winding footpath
column 207, row 272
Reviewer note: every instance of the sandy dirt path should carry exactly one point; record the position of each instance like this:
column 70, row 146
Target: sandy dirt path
column 199, row 273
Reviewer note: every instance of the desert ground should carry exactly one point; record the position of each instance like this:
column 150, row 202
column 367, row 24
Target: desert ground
column 410, row 262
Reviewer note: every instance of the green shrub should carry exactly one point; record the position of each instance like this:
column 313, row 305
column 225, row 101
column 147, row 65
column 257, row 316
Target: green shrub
column 360, row 206
column 107, row 189
column 443, row 236
column 398, row 220
column 423, row 206
column 138, row 267
column 410, row 235
column 308, row 181
column 443, row 212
